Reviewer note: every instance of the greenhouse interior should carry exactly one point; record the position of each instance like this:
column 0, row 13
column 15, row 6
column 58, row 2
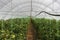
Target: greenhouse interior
column 29, row 19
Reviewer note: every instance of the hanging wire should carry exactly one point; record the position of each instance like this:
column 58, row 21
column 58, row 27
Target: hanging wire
column 47, row 13
column 31, row 10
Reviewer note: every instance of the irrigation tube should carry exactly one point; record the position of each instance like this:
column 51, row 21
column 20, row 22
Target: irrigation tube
column 47, row 13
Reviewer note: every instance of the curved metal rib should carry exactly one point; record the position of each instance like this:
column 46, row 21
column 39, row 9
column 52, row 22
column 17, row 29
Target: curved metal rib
column 47, row 13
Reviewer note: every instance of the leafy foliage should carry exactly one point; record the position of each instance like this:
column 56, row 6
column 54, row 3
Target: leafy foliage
column 47, row 29
column 15, row 29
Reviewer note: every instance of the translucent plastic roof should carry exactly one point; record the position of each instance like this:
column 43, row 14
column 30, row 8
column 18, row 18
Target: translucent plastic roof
column 23, row 8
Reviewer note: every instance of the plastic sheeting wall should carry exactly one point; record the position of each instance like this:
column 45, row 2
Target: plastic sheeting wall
column 22, row 8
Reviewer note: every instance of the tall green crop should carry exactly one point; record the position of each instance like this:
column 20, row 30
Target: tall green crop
column 15, row 29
